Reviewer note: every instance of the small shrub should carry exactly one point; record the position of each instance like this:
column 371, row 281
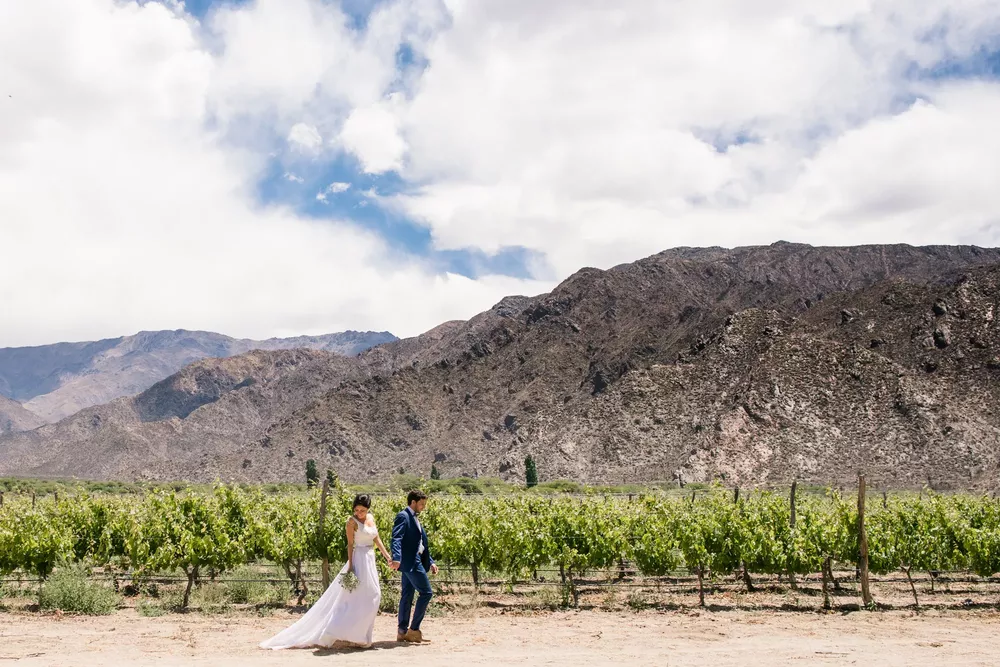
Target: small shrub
column 390, row 599
column 637, row 601
column 253, row 587
column 560, row 486
column 150, row 610
column 610, row 601
column 546, row 597
column 70, row 590
column 171, row 598
column 210, row 598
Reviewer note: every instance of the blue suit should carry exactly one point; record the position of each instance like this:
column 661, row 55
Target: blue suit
column 406, row 540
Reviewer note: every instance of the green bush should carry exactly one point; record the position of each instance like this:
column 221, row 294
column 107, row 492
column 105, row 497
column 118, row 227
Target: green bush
column 150, row 610
column 464, row 485
column 559, row 486
column 70, row 590
column 253, row 587
column 390, row 599
column 545, row 597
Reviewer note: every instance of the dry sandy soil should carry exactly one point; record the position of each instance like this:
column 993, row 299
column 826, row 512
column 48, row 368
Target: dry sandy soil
column 744, row 638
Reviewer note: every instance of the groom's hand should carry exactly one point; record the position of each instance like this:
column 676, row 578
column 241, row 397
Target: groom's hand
column 434, row 568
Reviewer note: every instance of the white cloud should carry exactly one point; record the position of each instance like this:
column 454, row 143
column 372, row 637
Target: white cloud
column 597, row 133
column 372, row 134
column 294, row 178
column 117, row 104
column 305, row 137
column 593, row 133
column 333, row 189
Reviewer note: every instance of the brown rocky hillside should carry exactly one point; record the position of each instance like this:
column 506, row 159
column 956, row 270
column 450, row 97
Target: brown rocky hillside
column 750, row 365
column 15, row 417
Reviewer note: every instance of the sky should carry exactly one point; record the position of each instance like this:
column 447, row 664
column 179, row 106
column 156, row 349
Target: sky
column 283, row 167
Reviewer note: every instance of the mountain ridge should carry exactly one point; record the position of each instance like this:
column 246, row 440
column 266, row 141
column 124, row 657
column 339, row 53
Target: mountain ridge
column 755, row 364
column 55, row 381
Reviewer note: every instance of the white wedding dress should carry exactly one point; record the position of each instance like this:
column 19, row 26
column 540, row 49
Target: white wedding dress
column 340, row 615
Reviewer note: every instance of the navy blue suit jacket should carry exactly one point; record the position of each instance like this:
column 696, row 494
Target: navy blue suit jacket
column 405, row 539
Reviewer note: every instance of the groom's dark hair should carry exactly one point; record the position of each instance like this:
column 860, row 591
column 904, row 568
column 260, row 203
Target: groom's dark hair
column 414, row 496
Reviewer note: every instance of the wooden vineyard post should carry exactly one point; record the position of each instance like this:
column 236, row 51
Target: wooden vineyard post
column 791, row 524
column 1, row 498
column 866, row 594
column 322, row 527
column 32, row 500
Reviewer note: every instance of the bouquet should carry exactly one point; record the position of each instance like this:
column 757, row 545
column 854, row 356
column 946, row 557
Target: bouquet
column 348, row 581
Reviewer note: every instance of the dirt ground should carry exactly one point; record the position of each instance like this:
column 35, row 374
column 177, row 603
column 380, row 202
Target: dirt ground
column 678, row 638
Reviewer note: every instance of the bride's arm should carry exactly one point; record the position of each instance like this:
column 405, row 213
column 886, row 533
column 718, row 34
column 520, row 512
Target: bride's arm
column 381, row 547
column 350, row 528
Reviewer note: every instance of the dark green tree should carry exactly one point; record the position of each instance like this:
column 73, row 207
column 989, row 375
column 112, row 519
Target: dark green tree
column 530, row 472
column 331, row 479
column 434, row 472
column 312, row 475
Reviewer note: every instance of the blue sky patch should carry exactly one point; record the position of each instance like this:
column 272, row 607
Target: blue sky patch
column 983, row 64
column 298, row 186
column 357, row 11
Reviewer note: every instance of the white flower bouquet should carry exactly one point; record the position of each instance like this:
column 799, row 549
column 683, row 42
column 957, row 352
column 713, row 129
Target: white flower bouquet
column 349, row 581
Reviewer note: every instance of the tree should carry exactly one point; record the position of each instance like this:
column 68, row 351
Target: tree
column 434, row 472
column 312, row 475
column 530, row 472
column 332, row 481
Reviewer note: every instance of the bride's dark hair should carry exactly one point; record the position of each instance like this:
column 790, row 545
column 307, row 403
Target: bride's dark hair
column 362, row 499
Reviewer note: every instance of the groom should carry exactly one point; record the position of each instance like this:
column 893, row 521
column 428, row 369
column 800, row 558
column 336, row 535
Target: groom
column 411, row 555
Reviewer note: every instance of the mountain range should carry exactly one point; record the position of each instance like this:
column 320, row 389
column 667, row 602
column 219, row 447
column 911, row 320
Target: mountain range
column 750, row 365
column 55, row 381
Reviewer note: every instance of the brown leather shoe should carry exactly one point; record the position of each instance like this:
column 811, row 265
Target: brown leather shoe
column 400, row 636
column 416, row 637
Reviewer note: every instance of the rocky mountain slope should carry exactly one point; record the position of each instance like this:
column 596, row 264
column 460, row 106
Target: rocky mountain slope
column 652, row 371
column 15, row 417
column 55, row 381
column 750, row 365
column 182, row 421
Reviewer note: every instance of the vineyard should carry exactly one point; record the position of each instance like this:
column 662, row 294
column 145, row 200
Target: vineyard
column 563, row 542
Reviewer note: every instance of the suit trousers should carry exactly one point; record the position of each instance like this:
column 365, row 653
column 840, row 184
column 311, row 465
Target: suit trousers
column 414, row 581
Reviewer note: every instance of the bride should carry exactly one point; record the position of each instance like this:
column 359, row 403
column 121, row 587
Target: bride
column 342, row 616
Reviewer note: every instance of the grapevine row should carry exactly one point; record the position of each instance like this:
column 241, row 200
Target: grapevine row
column 511, row 536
